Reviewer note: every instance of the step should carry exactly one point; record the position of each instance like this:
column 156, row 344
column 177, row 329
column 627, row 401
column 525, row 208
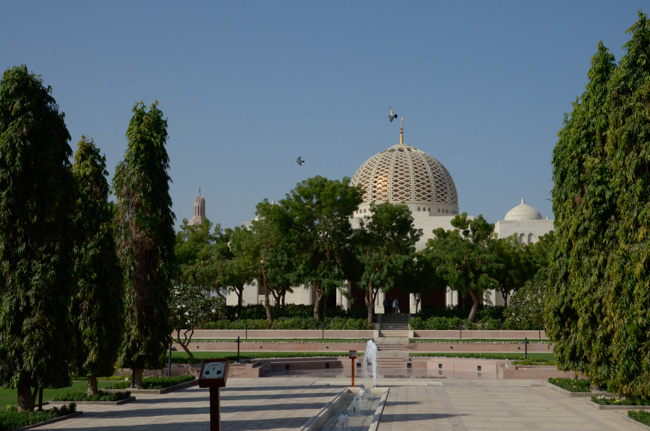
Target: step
column 394, row 333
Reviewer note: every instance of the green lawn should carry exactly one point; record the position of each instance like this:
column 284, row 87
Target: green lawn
column 9, row 396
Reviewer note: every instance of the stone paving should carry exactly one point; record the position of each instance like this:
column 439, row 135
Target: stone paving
column 286, row 402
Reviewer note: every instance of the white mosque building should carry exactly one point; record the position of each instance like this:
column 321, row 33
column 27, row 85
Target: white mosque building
column 405, row 174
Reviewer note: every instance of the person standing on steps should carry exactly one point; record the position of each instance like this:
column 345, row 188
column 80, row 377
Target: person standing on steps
column 395, row 306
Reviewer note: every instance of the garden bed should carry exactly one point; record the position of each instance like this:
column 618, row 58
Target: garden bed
column 12, row 419
column 157, row 385
column 573, row 388
column 102, row 397
column 639, row 418
column 613, row 403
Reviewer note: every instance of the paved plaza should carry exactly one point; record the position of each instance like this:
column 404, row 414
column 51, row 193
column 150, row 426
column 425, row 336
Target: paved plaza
column 286, row 402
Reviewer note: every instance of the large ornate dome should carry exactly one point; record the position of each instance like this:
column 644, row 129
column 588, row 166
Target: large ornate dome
column 405, row 174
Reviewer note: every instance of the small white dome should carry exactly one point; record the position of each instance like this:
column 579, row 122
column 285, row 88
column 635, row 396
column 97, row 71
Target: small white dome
column 523, row 211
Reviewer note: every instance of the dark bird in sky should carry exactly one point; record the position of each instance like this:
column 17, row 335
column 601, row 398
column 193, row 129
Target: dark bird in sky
column 391, row 114
column 299, row 160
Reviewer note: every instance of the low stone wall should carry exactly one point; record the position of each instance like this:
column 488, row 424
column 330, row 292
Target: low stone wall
column 455, row 334
column 496, row 347
column 280, row 334
column 261, row 346
column 541, row 372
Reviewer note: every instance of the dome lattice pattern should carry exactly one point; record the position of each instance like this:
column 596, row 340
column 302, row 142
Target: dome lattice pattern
column 403, row 173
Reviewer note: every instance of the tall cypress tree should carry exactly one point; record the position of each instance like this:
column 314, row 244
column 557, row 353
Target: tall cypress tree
column 599, row 303
column 584, row 205
column 97, row 307
column 145, row 237
column 35, row 237
column 629, row 161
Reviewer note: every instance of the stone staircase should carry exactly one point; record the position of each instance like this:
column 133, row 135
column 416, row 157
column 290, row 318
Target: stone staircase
column 393, row 339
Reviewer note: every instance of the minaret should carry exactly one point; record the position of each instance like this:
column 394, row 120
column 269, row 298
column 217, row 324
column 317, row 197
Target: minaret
column 401, row 131
column 199, row 210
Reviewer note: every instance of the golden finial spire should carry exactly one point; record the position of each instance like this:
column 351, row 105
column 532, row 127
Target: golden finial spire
column 401, row 130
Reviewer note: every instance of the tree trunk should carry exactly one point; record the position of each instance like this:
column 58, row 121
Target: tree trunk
column 92, row 386
column 26, row 398
column 319, row 297
column 267, row 304
column 240, row 299
column 370, row 303
column 186, row 342
column 137, row 381
column 475, row 303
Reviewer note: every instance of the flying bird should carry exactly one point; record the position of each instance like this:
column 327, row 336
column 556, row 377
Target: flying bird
column 391, row 114
column 299, row 160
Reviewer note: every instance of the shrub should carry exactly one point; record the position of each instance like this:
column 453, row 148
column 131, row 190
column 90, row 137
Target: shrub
column 11, row 418
column 100, row 396
column 571, row 385
column 640, row 416
column 291, row 323
column 155, row 382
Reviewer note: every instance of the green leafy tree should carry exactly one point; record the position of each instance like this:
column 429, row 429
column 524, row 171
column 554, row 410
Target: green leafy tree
column 584, row 203
column 314, row 222
column 464, row 259
column 628, row 305
column 145, row 237
column 269, row 252
column 526, row 309
column 240, row 269
column 191, row 307
column 517, row 267
column 598, row 311
column 201, row 254
column 35, row 238
column 420, row 277
column 97, row 306
column 385, row 240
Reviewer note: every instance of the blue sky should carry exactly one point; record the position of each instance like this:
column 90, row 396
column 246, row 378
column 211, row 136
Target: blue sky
column 248, row 86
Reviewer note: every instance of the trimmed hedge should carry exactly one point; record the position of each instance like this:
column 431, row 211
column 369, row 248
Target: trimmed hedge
column 155, row 382
column 571, row 385
column 11, row 418
column 640, row 416
column 291, row 323
column 100, row 396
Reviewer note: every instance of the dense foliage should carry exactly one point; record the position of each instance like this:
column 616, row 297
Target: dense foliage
column 598, row 304
column 463, row 258
column 12, row 418
column 97, row 306
column 156, row 382
column 291, row 323
column 571, row 385
column 145, row 235
column 35, row 237
column 384, row 242
column 99, row 396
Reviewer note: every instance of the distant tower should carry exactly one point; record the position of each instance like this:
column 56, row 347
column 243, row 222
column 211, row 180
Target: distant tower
column 199, row 210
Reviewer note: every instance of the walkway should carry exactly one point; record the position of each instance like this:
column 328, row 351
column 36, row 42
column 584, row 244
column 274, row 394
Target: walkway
column 287, row 402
